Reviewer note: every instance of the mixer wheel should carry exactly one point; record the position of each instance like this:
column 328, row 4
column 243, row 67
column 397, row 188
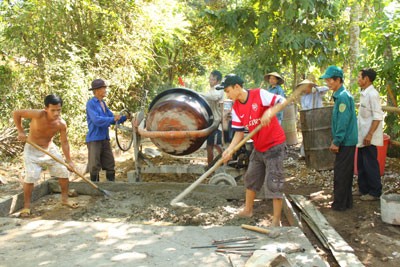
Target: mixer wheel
column 223, row 179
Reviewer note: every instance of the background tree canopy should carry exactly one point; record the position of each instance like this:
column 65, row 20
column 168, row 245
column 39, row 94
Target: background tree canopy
column 142, row 47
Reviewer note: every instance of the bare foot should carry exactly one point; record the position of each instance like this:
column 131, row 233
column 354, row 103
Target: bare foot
column 276, row 223
column 72, row 205
column 265, row 223
column 245, row 214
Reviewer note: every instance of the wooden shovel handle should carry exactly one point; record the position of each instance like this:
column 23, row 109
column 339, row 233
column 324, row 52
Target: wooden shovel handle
column 275, row 109
column 49, row 154
column 256, row 229
column 62, row 162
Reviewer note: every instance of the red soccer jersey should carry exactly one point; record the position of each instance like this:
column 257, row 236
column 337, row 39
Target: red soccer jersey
column 248, row 115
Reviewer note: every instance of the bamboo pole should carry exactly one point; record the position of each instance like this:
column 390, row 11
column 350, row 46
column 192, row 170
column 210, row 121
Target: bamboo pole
column 391, row 109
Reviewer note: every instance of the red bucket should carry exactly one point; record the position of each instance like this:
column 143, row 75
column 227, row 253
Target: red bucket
column 381, row 155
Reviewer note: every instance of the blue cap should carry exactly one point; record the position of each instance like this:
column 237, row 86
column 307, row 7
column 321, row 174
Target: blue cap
column 332, row 71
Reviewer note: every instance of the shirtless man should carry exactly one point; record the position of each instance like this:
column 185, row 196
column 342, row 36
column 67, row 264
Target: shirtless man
column 45, row 123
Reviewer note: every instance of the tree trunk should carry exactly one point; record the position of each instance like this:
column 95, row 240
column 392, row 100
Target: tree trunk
column 391, row 118
column 354, row 42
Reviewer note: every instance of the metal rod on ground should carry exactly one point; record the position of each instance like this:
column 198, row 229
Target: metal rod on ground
column 235, row 239
column 275, row 109
column 105, row 192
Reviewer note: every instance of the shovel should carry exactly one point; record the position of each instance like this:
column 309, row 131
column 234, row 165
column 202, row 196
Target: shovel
column 105, row 192
column 273, row 110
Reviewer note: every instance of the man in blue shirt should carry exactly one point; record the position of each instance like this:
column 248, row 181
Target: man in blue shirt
column 99, row 119
column 275, row 81
column 345, row 138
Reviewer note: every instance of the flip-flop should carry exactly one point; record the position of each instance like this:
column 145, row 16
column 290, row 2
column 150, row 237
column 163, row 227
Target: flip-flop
column 24, row 213
column 72, row 205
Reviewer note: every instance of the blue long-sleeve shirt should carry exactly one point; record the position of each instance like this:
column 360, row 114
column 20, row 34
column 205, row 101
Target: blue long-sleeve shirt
column 344, row 120
column 277, row 89
column 99, row 121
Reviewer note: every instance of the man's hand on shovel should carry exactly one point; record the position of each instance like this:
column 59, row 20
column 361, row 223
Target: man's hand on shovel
column 70, row 166
column 266, row 117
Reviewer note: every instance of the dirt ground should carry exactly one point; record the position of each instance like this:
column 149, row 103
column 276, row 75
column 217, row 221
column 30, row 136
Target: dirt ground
column 374, row 241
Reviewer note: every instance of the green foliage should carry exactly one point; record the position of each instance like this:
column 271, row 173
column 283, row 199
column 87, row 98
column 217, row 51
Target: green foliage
column 284, row 36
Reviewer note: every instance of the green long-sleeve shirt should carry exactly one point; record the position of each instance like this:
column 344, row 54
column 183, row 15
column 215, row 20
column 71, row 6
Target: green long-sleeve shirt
column 344, row 120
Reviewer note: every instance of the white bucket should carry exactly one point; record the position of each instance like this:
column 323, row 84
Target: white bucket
column 390, row 208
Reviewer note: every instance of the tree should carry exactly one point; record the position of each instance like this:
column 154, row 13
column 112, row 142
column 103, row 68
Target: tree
column 284, row 36
column 381, row 38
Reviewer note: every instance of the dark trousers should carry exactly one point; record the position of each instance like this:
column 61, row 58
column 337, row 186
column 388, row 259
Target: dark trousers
column 101, row 157
column 369, row 177
column 343, row 178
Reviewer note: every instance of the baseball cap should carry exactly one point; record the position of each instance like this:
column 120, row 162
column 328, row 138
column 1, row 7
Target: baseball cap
column 332, row 71
column 228, row 80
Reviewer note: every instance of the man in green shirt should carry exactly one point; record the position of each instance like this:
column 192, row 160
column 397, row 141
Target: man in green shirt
column 344, row 135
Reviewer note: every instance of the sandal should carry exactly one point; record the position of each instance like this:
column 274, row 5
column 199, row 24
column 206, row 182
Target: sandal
column 72, row 193
column 24, row 213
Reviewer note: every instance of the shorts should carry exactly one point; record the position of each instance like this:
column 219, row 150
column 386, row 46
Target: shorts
column 35, row 160
column 215, row 138
column 266, row 168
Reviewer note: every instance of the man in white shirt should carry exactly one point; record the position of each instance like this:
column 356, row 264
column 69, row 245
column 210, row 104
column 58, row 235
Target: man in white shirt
column 313, row 95
column 215, row 99
column 370, row 135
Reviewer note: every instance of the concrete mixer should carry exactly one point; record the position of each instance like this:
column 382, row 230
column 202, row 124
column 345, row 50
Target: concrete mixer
column 178, row 122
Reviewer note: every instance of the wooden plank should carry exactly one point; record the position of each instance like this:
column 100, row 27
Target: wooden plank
column 290, row 214
column 312, row 225
column 331, row 235
column 343, row 253
column 16, row 202
column 316, row 231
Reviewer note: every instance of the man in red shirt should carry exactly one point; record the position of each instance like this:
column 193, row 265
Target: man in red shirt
column 251, row 108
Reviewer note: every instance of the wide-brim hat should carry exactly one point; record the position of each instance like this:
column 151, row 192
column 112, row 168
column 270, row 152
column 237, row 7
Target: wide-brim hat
column 280, row 78
column 98, row 83
column 305, row 83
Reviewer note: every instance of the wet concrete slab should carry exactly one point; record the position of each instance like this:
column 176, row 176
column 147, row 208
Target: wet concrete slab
column 11, row 204
column 42, row 240
column 73, row 243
